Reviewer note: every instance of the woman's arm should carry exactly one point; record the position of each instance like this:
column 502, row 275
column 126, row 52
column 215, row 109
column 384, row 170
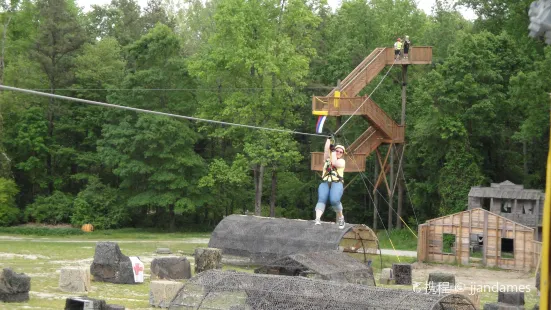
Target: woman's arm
column 326, row 150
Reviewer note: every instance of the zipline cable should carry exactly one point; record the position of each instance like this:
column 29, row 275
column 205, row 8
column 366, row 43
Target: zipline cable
column 223, row 89
column 154, row 112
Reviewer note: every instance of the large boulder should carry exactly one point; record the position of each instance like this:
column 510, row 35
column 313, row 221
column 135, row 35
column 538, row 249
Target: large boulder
column 207, row 258
column 110, row 265
column 386, row 276
column 441, row 282
column 170, row 268
column 511, row 298
column 402, row 274
column 74, row 279
column 162, row 292
column 83, row 302
column 501, row 306
column 14, row 287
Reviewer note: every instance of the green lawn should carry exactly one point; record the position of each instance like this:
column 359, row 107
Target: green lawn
column 41, row 257
column 402, row 239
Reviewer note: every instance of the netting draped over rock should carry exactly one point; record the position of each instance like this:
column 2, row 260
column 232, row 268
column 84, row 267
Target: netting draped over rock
column 330, row 265
column 265, row 239
column 216, row 289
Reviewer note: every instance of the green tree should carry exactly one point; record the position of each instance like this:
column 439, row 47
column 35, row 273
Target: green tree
column 264, row 46
column 154, row 156
column 121, row 19
column 60, row 35
column 54, row 209
column 226, row 185
column 529, row 93
column 461, row 122
column 9, row 213
column 99, row 205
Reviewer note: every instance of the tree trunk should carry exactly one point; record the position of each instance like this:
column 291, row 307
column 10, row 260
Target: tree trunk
column 172, row 215
column 258, row 177
column 525, row 163
column 3, row 51
column 273, row 194
column 49, row 158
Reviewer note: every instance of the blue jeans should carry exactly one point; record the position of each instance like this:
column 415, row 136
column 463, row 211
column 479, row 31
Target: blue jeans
column 334, row 194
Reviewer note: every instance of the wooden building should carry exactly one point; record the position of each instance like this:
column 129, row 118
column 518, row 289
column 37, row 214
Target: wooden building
column 478, row 237
column 512, row 201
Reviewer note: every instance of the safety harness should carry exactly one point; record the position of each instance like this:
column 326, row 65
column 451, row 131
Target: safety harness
column 331, row 171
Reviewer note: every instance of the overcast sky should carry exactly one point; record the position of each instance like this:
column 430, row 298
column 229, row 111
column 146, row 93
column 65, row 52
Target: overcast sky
column 425, row 5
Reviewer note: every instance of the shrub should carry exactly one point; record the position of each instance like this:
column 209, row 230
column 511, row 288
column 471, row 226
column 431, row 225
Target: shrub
column 9, row 213
column 99, row 205
column 53, row 209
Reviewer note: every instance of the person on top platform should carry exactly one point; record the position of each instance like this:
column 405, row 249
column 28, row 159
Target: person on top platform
column 397, row 49
column 407, row 45
column 332, row 186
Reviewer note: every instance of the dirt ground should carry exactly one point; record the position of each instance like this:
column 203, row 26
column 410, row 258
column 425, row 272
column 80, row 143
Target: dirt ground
column 476, row 276
column 485, row 283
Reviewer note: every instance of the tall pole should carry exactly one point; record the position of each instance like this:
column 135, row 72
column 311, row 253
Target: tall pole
column 391, row 194
column 401, row 150
column 375, row 196
column 339, row 118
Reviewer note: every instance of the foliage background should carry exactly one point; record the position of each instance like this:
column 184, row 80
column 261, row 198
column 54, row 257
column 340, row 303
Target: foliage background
column 478, row 114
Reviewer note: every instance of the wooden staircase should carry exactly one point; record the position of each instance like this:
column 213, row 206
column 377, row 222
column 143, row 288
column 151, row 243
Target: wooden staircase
column 344, row 101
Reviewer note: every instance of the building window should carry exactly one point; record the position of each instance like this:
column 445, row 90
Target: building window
column 506, row 206
column 448, row 243
column 507, row 248
column 486, row 203
column 527, row 207
column 476, row 245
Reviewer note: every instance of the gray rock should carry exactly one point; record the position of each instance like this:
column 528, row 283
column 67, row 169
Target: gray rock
column 501, row 306
column 113, row 307
column 110, row 265
column 163, row 251
column 386, row 276
column 402, row 274
column 511, row 298
column 162, row 292
column 74, row 279
column 170, row 268
column 14, row 287
column 207, row 258
column 82, row 302
column 441, row 281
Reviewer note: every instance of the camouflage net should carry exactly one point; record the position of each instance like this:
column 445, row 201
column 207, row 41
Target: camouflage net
column 216, row 289
column 263, row 239
column 330, row 265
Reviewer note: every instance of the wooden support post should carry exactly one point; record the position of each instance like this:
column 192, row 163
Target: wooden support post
column 338, row 118
column 485, row 240
column 390, row 192
column 401, row 148
column 537, row 211
column 460, row 238
column 375, row 198
column 497, row 242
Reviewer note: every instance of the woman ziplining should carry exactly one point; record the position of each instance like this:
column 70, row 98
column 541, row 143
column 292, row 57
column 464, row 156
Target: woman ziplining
column 332, row 187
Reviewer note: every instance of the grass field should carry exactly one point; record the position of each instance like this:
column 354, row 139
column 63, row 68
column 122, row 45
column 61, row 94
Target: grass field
column 399, row 239
column 42, row 256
